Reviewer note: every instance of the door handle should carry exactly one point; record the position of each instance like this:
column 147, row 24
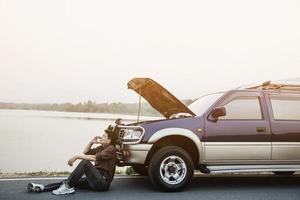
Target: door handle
column 261, row 129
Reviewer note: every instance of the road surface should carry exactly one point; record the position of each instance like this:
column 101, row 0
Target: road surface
column 208, row 187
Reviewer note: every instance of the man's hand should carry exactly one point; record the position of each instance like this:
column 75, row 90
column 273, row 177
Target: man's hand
column 90, row 144
column 72, row 160
column 95, row 140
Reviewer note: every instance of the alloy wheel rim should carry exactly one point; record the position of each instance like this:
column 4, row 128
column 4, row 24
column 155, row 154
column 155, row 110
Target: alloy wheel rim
column 173, row 170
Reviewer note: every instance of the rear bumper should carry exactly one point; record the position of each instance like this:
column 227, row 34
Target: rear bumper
column 136, row 153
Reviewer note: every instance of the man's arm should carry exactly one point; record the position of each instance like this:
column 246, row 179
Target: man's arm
column 89, row 145
column 86, row 157
column 81, row 157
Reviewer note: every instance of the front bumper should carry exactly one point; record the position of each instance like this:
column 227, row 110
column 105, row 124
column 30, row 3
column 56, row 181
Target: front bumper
column 135, row 153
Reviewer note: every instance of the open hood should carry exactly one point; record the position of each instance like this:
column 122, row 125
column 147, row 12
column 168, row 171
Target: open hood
column 158, row 97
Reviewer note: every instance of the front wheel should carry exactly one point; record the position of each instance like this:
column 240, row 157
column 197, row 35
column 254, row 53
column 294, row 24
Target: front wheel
column 171, row 169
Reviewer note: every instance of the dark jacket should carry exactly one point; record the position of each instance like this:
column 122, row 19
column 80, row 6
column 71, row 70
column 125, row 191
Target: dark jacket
column 106, row 159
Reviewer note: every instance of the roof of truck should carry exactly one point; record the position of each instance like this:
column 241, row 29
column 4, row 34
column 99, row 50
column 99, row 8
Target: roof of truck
column 278, row 86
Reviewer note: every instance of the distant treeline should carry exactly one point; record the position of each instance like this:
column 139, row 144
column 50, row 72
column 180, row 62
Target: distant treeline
column 89, row 106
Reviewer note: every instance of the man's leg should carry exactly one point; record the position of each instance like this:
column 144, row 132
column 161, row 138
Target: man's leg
column 82, row 184
column 36, row 187
column 76, row 174
column 95, row 180
column 52, row 186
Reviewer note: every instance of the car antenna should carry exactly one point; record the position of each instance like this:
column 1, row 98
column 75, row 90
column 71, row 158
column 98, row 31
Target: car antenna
column 139, row 111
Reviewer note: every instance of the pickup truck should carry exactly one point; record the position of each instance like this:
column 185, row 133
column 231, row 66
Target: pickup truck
column 248, row 129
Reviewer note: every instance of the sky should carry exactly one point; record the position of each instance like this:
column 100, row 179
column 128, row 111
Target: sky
column 60, row 51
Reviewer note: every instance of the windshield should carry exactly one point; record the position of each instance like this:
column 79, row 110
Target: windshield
column 200, row 105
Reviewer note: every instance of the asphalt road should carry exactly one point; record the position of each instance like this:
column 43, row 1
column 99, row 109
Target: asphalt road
column 210, row 187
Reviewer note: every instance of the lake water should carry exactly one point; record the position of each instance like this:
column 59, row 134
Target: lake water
column 45, row 140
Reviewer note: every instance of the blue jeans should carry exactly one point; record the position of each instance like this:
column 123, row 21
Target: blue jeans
column 96, row 179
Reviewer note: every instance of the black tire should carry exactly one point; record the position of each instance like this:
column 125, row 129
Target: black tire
column 154, row 172
column 140, row 169
column 284, row 173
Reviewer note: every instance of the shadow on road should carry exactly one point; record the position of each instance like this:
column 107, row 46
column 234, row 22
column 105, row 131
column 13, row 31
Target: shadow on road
column 212, row 182
column 221, row 182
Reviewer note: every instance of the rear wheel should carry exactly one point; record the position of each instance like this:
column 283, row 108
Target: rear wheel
column 171, row 169
column 284, row 173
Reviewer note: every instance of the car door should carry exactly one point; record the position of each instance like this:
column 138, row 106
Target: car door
column 243, row 134
column 285, row 125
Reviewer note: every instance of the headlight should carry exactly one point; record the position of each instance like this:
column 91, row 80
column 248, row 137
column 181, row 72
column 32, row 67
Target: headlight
column 131, row 134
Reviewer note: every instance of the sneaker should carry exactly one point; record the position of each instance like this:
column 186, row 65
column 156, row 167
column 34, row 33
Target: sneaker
column 63, row 189
column 33, row 187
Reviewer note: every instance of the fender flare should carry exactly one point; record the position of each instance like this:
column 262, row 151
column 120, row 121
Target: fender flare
column 179, row 132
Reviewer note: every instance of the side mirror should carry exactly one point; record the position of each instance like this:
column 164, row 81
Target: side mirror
column 216, row 113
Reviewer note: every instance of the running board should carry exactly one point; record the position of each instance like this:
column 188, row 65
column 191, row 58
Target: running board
column 252, row 168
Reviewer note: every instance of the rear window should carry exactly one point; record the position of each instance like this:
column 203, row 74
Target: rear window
column 285, row 108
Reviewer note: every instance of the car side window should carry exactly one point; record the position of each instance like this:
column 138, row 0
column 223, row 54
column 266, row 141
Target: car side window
column 285, row 108
column 243, row 108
